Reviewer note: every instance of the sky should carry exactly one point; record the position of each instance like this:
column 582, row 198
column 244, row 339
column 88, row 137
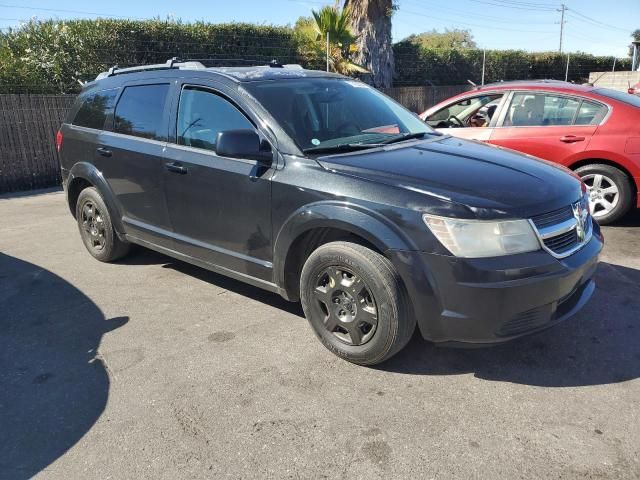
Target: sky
column 599, row 27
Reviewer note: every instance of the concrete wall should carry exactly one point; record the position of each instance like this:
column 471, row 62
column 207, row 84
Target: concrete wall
column 616, row 80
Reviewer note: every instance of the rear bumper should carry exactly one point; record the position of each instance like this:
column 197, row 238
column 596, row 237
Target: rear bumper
column 486, row 301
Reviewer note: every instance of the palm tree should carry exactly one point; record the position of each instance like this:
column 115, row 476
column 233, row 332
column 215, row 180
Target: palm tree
column 371, row 20
column 334, row 22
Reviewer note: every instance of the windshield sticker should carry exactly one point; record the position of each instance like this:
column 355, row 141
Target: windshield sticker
column 315, row 141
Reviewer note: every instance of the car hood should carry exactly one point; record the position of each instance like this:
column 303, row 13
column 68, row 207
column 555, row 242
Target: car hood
column 473, row 174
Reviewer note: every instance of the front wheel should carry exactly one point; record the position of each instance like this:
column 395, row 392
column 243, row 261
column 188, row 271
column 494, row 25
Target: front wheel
column 610, row 192
column 355, row 303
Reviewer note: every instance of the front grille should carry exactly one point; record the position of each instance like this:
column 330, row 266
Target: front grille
column 525, row 321
column 562, row 243
column 565, row 230
column 538, row 317
column 553, row 218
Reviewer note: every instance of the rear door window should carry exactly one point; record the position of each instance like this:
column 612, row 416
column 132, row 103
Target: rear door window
column 140, row 111
column 529, row 109
column 94, row 109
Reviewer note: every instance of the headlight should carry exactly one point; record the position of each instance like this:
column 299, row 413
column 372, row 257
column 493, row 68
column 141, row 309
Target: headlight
column 479, row 238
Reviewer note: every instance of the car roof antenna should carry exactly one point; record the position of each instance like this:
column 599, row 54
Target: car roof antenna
column 475, row 85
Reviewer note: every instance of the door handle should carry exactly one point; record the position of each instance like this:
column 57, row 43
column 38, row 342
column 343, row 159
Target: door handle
column 104, row 152
column 571, row 139
column 176, row 168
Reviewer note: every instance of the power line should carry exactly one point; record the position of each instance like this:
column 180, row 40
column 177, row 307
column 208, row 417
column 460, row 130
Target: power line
column 457, row 22
column 523, row 6
column 417, row 4
column 583, row 18
column 60, row 10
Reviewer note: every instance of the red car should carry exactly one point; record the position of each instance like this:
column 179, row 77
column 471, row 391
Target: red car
column 594, row 131
column 635, row 90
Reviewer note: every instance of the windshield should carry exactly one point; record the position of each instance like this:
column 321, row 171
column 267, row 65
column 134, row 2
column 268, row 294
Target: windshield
column 620, row 96
column 324, row 113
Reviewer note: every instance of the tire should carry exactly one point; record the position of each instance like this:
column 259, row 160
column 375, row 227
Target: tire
column 355, row 303
column 96, row 228
column 607, row 177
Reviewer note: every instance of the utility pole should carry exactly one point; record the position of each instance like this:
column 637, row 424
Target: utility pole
column 562, row 9
column 327, row 51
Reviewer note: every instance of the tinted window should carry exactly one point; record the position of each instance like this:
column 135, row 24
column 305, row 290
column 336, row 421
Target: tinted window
column 620, row 96
column 94, row 109
column 539, row 109
column 202, row 115
column 590, row 113
column 140, row 111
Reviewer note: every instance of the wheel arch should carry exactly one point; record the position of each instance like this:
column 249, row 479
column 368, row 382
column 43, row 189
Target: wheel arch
column 312, row 226
column 612, row 163
column 83, row 175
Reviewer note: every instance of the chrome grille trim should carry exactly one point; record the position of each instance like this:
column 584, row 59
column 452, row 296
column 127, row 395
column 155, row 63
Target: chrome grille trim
column 557, row 240
column 555, row 230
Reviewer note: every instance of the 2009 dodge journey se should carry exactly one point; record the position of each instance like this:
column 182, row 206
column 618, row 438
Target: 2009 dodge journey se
column 322, row 189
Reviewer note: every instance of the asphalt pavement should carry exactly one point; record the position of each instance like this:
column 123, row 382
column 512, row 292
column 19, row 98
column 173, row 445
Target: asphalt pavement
column 152, row 368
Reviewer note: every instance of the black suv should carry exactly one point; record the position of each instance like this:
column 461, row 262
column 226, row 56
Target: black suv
column 322, row 189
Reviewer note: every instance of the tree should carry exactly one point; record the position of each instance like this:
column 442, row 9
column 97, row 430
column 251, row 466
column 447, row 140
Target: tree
column 449, row 39
column 371, row 21
column 312, row 36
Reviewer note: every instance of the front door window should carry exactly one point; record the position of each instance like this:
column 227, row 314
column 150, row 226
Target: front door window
column 470, row 112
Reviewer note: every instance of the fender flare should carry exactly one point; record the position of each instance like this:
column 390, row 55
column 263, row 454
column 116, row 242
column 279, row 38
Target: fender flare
column 91, row 174
column 352, row 218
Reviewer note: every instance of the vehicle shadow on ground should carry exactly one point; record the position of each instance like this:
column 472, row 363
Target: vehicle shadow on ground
column 631, row 219
column 53, row 384
column 600, row 345
column 144, row 256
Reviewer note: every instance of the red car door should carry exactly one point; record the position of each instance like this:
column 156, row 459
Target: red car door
column 547, row 125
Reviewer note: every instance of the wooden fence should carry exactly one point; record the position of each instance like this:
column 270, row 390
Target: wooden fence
column 28, row 126
column 418, row 99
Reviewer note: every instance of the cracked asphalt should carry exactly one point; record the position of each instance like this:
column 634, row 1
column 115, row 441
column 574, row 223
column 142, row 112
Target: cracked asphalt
column 152, row 368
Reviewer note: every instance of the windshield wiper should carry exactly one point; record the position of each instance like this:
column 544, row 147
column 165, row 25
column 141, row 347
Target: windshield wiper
column 349, row 147
column 405, row 136
column 341, row 147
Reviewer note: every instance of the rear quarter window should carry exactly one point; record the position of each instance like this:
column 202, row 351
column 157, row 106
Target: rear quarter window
column 591, row 113
column 94, row 109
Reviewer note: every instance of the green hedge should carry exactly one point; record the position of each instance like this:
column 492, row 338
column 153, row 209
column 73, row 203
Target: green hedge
column 51, row 56
column 419, row 66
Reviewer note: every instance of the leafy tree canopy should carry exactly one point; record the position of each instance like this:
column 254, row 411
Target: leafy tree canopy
column 450, row 39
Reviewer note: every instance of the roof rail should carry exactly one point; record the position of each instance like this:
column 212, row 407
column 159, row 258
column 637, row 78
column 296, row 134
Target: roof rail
column 516, row 82
column 174, row 62
column 192, row 64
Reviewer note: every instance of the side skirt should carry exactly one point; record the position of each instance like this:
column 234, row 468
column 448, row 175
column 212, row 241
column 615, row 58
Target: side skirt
column 243, row 277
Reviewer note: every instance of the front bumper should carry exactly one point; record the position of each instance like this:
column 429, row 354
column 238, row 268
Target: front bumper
column 492, row 300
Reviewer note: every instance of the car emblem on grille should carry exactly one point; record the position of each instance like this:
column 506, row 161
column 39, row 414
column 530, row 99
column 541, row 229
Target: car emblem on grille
column 580, row 213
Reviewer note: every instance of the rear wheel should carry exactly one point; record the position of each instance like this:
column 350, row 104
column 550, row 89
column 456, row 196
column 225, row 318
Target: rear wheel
column 355, row 303
column 96, row 228
column 610, row 192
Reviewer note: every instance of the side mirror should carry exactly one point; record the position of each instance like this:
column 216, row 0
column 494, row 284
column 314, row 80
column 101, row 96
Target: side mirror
column 244, row 144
